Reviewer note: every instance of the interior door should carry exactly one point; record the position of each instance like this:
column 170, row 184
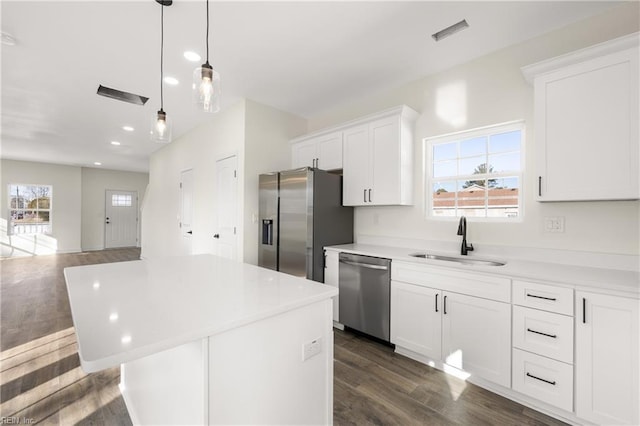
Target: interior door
column 186, row 211
column 121, row 219
column 227, row 190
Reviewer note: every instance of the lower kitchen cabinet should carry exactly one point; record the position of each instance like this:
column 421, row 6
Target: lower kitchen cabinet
column 607, row 364
column 476, row 336
column 416, row 320
column 467, row 332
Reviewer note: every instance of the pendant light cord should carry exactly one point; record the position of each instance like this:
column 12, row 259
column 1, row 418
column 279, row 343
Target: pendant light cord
column 207, row 31
column 161, row 54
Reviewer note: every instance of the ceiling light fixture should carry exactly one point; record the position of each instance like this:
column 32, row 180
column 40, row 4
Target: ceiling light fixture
column 128, row 128
column 206, row 82
column 97, row 163
column 115, row 143
column 450, row 30
column 191, row 56
column 171, row 80
column 161, row 131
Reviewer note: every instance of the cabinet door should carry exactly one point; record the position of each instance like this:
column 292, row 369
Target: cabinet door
column 329, row 151
column 416, row 319
column 384, row 137
column 304, row 154
column 331, row 264
column 476, row 336
column 587, row 130
column 356, row 180
column 607, row 359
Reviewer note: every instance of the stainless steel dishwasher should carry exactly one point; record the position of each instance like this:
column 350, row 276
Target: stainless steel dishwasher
column 365, row 289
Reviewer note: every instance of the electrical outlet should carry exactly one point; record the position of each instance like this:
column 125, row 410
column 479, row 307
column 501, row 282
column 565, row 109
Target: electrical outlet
column 554, row 224
column 311, row 349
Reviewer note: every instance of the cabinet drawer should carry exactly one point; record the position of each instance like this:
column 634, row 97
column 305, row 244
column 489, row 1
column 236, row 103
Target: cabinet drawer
column 473, row 284
column 543, row 333
column 543, row 296
column 543, row 378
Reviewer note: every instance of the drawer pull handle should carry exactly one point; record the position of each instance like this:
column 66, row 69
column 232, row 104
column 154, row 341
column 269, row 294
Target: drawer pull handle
column 553, row 299
column 542, row 380
column 553, row 336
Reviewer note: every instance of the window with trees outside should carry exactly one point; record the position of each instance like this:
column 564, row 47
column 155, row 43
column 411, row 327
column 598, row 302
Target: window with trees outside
column 30, row 209
column 476, row 173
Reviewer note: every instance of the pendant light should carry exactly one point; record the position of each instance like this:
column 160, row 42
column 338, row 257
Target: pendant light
column 161, row 130
column 206, row 82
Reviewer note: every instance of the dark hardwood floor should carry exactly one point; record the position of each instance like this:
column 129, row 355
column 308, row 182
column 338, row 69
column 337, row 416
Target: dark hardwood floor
column 41, row 378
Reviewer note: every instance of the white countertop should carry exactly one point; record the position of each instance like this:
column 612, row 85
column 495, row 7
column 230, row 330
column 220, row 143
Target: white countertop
column 127, row 310
column 612, row 281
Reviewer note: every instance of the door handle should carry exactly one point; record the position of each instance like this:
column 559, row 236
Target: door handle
column 444, row 308
column 190, row 232
column 436, row 302
column 365, row 196
column 369, row 194
column 216, row 235
column 364, row 265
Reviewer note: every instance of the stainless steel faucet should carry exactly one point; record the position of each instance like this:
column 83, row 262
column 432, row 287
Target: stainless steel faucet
column 462, row 230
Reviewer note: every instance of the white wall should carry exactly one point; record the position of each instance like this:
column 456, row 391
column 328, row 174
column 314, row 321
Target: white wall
column 220, row 137
column 267, row 149
column 494, row 91
column 258, row 135
column 94, row 184
column 65, row 214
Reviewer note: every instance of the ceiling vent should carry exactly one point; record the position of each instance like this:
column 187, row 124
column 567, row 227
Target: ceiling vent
column 121, row 96
column 450, row 30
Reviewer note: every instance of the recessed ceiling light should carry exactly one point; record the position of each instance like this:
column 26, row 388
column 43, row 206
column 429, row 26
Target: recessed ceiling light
column 191, row 56
column 128, row 128
column 116, row 143
column 97, row 163
column 171, row 80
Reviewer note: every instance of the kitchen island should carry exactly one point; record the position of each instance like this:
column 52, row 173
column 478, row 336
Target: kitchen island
column 206, row 340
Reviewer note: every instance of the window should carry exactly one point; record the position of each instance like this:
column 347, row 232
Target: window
column 476, row 173
column 121, row 200
column 30, row 208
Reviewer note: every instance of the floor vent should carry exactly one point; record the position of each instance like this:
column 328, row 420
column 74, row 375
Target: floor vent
column 121, row 96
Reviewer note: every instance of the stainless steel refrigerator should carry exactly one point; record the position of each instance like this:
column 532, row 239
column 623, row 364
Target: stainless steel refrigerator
column 300, row 213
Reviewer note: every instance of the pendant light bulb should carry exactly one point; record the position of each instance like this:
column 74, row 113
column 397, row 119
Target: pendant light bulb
column 206, row 88
column 206, row 82
column 161, row 132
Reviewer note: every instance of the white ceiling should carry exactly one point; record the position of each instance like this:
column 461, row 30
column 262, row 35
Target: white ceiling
column 302, row 57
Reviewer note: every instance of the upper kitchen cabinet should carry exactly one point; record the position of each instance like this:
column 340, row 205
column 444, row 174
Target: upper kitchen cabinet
column 586, row 123
column 322, row 151
column 378, row 159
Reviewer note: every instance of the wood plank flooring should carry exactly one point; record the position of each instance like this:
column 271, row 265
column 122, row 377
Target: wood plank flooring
column 41, row 378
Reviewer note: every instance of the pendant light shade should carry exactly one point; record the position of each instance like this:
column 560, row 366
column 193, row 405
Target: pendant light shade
column 161, row 125
column 206, row 82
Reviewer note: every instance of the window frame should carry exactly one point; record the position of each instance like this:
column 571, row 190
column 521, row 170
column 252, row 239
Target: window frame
column 10, row 229
column 484, row 131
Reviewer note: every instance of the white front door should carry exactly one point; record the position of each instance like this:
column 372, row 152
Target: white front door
column 226, row 233
column 186, row 210
column 121, row 219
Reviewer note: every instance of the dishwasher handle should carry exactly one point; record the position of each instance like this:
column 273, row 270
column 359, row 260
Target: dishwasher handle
column 365, row 265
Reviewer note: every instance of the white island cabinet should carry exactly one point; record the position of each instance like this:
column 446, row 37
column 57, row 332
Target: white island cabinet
column 206, row 340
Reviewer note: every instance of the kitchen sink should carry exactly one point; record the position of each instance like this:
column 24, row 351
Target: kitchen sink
column 464, row 261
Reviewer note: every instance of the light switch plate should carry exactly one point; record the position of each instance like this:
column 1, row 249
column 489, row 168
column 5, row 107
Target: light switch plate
column 554, row 224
